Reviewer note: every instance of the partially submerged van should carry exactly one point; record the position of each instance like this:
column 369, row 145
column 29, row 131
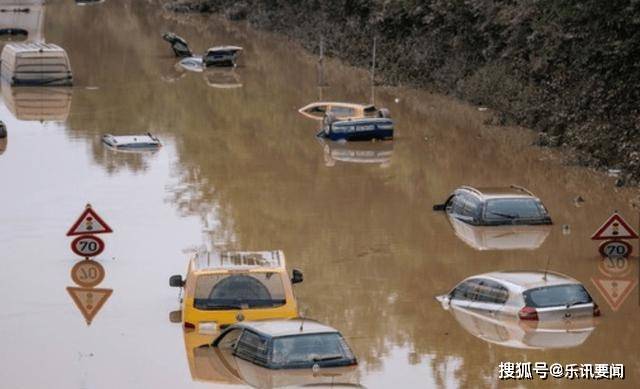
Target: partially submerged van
column 40, row 64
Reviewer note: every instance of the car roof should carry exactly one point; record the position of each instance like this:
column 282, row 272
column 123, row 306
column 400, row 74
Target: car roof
column 208, row 260
column 335, row 104
column 499, row 192
column 286, row 327
column 33, row 47
column 524, row 280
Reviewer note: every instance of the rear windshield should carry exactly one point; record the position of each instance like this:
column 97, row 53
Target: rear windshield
column 239, row 291
column 559, row 295
column 307, row 350
column 519, row 208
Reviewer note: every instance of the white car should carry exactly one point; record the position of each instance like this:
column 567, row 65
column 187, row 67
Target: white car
column 527, row 295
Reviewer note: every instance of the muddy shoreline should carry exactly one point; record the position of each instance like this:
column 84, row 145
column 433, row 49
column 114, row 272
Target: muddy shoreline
column 559, row 70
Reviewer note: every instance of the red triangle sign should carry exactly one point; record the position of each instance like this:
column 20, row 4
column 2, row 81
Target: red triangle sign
column 615, row 291
column 89, row 223
column 615, row 228
column 89, row 300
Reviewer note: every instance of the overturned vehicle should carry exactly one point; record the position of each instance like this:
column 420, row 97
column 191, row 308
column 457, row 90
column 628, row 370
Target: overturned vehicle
column 214, row 56
column 179, row 46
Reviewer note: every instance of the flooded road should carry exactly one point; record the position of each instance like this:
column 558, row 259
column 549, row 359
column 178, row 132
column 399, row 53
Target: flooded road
column 241, row 169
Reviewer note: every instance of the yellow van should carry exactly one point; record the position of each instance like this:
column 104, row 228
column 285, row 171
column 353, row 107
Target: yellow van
column 224, row 288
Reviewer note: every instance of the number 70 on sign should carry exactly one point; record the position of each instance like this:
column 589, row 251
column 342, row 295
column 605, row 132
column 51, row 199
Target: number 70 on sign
column 87, row 246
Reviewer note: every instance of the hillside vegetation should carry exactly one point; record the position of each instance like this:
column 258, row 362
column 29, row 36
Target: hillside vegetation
column 569, row 69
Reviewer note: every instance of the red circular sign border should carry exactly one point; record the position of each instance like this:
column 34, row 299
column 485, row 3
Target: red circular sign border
column 606, row 242
column 85, row 236
column 100, row 270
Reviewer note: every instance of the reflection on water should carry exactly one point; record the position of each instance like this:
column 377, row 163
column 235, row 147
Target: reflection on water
column 37, row 103
column 215, row 77
column 509, row 237
column 615, row 280
column 24, row 16
column 357, row 152
column 241, row 169
column 222, row 78
column 514, row 333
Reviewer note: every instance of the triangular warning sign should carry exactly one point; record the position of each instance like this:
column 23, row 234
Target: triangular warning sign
column 615, row 228
column 89, row 300
column 614, row 290
column 89, row 223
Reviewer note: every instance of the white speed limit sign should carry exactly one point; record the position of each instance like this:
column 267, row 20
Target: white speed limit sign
column 87, row 246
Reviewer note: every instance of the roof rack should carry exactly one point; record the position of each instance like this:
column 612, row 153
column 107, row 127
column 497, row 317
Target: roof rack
column 522, row 189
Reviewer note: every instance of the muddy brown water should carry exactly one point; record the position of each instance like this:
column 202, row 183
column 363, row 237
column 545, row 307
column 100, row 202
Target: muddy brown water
column 241, row 169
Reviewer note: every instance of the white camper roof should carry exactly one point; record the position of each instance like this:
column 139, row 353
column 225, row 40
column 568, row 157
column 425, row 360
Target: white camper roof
column 31, row 48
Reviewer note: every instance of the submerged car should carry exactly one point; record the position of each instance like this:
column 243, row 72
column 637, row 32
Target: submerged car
column 495, row 206
column 287, row 344
column 342, row 111
column 218, row 365
column 508, row 331
column 525, row 295
column 179, row 45
column 356, row 129
column 132, row 142
column 222, row 56
column 35, row 64
column 224, row 288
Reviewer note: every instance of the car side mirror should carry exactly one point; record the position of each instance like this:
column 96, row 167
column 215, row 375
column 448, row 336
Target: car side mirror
column 297, row 276
column 176, row 281
column 175, row 316
column 439, row 207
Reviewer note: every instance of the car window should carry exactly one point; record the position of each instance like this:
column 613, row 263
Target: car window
column 466, row 205
column 463, row 291
column 228, row 341
column 455, row 205
column 470, row 205
column 307, row 350
column 489, row 291
column 557, row 295
column 342, row 111
column 252, row 347
column 515, row 208
column 239, row 291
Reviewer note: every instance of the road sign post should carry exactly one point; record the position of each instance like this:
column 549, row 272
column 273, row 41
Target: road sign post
column 88, row 273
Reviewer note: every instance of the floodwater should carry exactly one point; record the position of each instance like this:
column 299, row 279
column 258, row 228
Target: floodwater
column 241, row 169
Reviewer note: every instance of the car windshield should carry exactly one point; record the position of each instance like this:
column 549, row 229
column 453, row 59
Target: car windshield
column 239, row 291
column 307, row 350
column 559, row 295
column 515, row 208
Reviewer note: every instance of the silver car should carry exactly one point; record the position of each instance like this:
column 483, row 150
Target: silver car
column 527, row 295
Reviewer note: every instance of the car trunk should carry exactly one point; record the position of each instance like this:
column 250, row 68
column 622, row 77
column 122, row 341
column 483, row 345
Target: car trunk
column 563, row 312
